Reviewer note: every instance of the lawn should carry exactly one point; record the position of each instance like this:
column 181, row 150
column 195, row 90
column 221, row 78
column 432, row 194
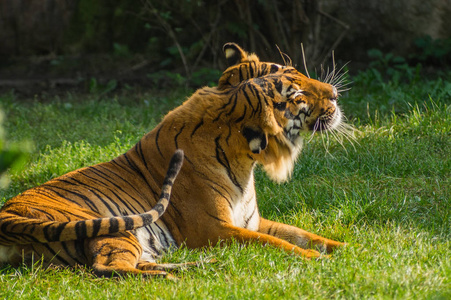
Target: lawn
column 387, row 194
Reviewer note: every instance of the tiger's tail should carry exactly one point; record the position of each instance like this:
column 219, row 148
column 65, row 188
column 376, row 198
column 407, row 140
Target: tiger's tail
column 15, row 229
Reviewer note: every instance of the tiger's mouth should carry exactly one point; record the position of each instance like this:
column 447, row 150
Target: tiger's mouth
column 328, row 122
column 295, row 125
column 304, row 122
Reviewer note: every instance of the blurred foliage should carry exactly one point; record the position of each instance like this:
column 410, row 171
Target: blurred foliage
column 12, row 156
column 430, row 51
column 387, row 70
column 109, row 45
column 186, row 36
column 389, row 67
column 190, row 34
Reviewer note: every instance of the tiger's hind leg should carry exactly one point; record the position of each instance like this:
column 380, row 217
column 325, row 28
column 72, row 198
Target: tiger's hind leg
column 118, row 254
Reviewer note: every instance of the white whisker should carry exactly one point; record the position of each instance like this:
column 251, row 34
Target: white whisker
column 285, row 56
column 339, row 72
column 305, row 62
column 340, row 78
column 342, row 132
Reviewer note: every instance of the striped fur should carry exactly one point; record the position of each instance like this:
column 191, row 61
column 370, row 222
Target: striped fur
column 111, row 217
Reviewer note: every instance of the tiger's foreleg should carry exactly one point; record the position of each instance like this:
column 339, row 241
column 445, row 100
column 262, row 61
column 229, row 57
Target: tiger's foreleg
column 244, row 235
column 297, row 236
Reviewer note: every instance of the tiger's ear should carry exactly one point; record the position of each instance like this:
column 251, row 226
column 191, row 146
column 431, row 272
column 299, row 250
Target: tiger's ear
column 256, row 138
column 234, row 54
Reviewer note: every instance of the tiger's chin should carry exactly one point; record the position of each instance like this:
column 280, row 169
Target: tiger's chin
column 328, row 123
column 280, row 156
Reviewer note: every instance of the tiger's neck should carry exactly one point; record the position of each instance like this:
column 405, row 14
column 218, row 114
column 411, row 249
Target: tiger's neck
column 212, row 147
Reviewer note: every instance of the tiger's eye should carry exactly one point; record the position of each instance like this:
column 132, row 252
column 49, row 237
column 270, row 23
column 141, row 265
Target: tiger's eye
column 280, row 105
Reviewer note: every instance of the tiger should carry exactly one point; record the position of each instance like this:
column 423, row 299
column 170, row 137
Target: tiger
column 119, row 217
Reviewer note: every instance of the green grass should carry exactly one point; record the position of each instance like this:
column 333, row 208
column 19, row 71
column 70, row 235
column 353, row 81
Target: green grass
column 389, row 192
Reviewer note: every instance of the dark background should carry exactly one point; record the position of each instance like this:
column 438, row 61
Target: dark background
column 54, row 45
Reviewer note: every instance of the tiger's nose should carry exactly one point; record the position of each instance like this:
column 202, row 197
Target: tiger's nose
column 334, row 94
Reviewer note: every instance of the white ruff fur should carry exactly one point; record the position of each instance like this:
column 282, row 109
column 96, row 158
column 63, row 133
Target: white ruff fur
column 281, row 169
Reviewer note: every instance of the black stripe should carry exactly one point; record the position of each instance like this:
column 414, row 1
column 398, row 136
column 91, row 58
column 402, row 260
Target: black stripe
column 175, row 208
column 80, row 230
column 206, row 178
column 289, row 78
column 228, row 135
column 234, row 97
column 151, row 240
column 129, row 223
column 124, row 203
column 251, row 69
column 147, row 219
column 257, row 94
column 171, row 174
column 270, row 228
column 138, row 171
column 85, row 198
column 47, row 231
column 7, row 241
column 197, row 127
column 223, row 160
column 159, row 208
column 139, row 150
column 247, row 96
column 169, row 179
column 165, row 195
column 127, row 204
column 263, row 70
column 46, row 191
column 91, row 204
column 123, row 179
column 156, row 140
column 114, row 225
column 29, row 238
column 216, row 218
column 162, row 235
column 278, row 86
column 222, row 108
column 222, row 195
column 177, row 135
column 242, row 116
column 207, row 93
column 56, row 255
column 78, row 249
column 81, row 196
column 246, row 222
column 57, row 230
column 47, row 215
column 115, row 251
column 241, row 73
column 274, row 233
column 96, row 225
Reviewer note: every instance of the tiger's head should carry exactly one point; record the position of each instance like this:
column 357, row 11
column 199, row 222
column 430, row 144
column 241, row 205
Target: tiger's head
column 291, row 103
